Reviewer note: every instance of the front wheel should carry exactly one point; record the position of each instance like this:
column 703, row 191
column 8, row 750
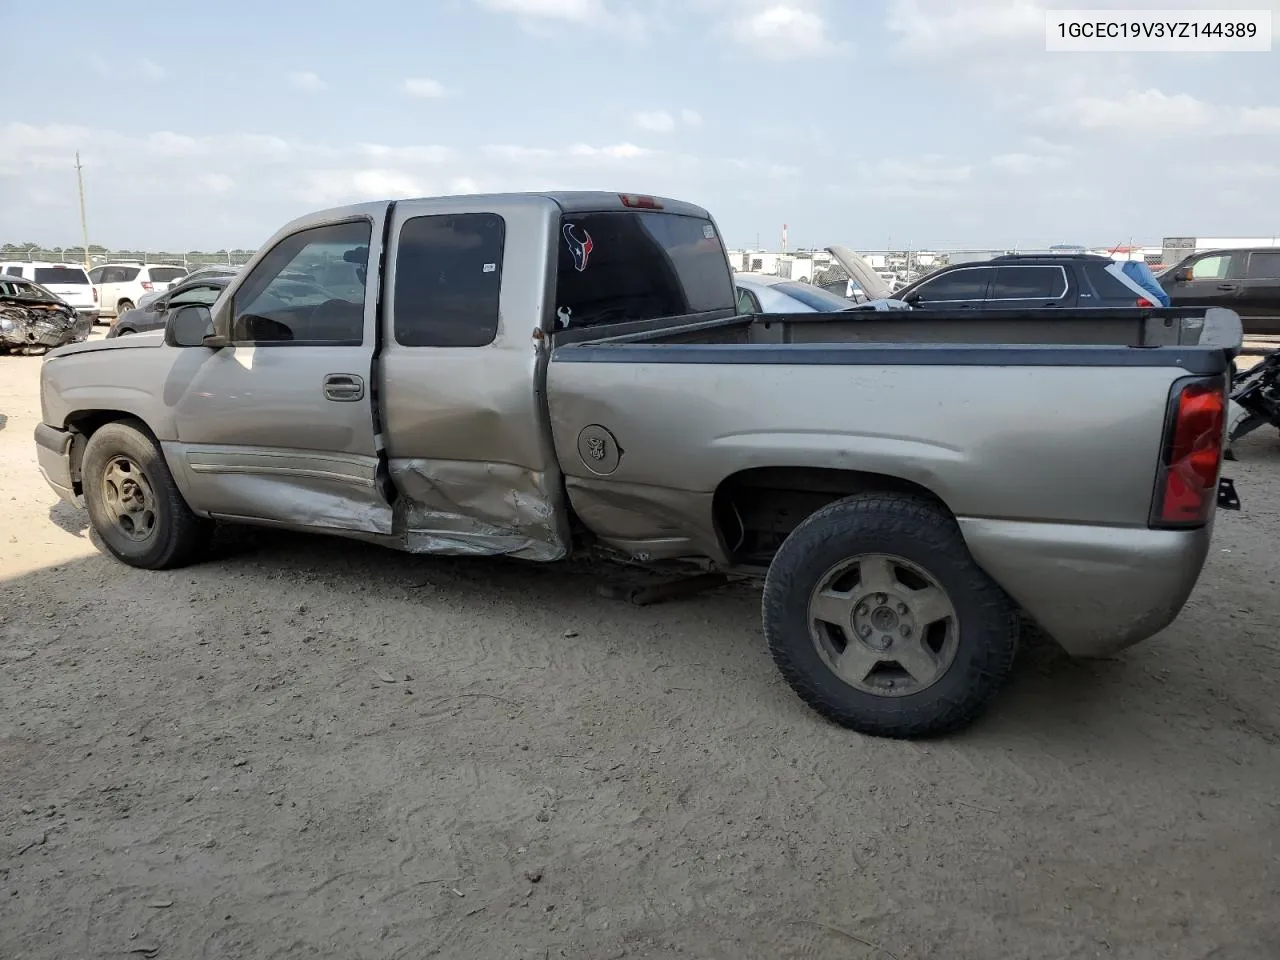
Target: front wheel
column 134, row 505
column 879, row 618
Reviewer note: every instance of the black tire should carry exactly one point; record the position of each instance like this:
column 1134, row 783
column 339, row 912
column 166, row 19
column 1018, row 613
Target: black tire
column 125, row 331
column 176, row 536
column 123, row 307
column 984, row 637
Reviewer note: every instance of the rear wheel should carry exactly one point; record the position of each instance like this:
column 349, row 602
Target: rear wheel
column 123, row 306
column 134, row 504
column 879, row 618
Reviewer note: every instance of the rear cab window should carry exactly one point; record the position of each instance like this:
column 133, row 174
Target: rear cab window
column 166, row 274
column 448, row 280
column 629, row 265
column 72, row 276
column 1264, row 265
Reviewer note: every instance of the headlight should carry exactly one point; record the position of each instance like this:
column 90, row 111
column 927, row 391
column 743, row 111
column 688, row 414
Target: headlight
column 6, row 324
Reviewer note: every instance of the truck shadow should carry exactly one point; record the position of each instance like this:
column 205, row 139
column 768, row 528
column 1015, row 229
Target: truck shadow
column 703, row 649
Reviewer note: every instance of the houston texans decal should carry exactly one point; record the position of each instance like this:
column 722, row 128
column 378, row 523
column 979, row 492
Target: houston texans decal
column 581, row 249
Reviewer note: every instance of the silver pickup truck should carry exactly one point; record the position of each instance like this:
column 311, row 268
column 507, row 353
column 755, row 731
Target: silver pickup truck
column 531, row 375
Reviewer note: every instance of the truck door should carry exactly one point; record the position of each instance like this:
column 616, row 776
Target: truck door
column 279, row 425
column 1259, row 301
column 468, row 437
column 1209, row 280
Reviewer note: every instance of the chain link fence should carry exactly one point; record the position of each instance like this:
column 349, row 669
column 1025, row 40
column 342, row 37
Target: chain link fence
column 190, row 260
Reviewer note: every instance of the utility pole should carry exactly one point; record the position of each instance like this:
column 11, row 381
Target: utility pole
column 84, row 223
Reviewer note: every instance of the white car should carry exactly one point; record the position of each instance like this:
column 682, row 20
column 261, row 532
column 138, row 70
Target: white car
column 199, row 272
column 67, row 280
column 121, row 285
column 761, row 293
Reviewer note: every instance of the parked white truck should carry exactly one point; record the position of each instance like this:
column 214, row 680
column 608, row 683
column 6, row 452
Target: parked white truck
column 530, row 375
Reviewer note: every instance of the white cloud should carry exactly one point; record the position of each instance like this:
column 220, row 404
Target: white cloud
column 654, row 121
column 574, row 11
column 413, row 154
column 663, row 121
column 1143, row 112
column 1151, row 113
column 1244, row 170
column 933, row 27
column 306, row 81
column 424, row 87
column 542, row 17
column 782, row 31
column 231, row 190
column 214, row 183
column 144, row 67
column 1262, row 119
column 1025, row 163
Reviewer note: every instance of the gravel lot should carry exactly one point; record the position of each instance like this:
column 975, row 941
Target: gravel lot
column 309, row 747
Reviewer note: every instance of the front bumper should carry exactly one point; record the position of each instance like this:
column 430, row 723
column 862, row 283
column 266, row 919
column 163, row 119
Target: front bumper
column 1096, row 590
column 53, row 451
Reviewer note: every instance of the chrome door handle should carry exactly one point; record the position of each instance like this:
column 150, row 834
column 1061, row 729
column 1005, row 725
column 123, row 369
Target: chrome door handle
column 343, row 387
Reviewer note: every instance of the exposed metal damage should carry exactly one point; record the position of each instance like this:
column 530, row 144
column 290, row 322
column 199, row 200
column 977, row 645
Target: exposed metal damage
column 477, row 509
column 30, row 322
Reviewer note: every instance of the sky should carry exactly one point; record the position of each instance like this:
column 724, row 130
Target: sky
column 872, row 123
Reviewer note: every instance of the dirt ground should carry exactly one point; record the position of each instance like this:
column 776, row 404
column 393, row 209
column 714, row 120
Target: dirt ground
column 313, row 748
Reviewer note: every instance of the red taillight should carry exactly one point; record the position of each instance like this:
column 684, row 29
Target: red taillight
column 1144, row 302
column 146, row 284
column 637, row 202
column 95, row 294
column 1187, row 488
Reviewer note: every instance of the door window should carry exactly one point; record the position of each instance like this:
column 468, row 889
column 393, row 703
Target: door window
column 1029, row 283
column 200, row 295
column 448, row 280
column 1211, row 268
column 1264, row 266
column 308, row 290
column 968, row 283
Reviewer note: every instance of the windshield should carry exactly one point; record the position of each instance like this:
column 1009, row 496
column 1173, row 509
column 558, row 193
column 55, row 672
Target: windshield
column 65, row 275
column 639, row 266
column 25, row 290
column 815, row 297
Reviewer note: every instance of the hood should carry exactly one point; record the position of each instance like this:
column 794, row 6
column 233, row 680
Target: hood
column 860, row 271
column 153, row 338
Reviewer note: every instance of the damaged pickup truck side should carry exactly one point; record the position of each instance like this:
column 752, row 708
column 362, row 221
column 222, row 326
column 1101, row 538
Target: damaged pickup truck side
column 533, row 375
column 34, row 319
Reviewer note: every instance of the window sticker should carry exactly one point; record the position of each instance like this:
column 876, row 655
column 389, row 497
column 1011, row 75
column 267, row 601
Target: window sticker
column 580, row 248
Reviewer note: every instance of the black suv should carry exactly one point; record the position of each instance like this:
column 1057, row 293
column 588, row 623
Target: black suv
column 1247, row 281
column 1024, row 281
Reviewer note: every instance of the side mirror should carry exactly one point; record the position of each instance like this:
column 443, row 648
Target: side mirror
column 1183, row 275
column 188, row 326
column 912, row 298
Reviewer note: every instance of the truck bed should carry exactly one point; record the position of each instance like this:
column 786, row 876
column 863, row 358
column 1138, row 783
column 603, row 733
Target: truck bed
column 1120, row 327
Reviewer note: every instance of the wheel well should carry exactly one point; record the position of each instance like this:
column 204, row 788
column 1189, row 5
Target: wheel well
column 755, row 510
column 84, row 423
